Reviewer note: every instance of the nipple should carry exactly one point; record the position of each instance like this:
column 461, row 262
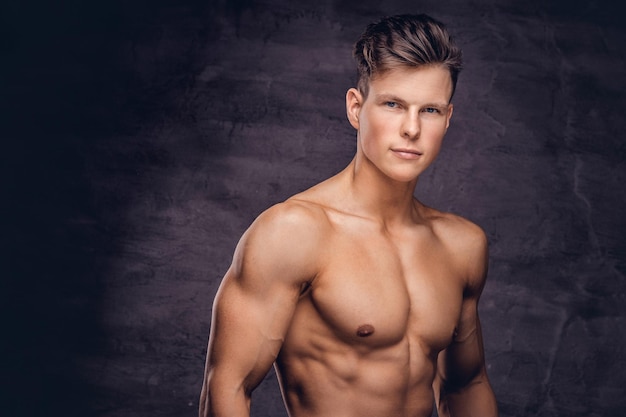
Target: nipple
column 365, row 330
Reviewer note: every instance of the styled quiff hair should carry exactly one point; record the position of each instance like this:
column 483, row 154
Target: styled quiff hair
column 404, row 41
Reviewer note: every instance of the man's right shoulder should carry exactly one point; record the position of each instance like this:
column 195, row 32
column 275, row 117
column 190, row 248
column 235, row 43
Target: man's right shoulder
column 293, row 225
column 292, row 215
column 285, row 240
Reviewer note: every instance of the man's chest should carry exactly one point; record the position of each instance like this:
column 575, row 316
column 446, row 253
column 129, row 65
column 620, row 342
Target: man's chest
column 377, row 292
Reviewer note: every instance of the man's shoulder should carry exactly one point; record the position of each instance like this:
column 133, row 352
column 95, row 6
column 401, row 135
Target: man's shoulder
column 288, row 222
column 456, row 228
column 465, row 240
column 467, row 245
column 293, row 212
column 282, row 243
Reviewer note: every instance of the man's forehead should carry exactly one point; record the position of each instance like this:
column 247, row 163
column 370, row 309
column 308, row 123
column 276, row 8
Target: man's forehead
column 435, row 81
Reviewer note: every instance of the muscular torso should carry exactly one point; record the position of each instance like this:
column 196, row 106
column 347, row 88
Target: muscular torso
column 366, row 331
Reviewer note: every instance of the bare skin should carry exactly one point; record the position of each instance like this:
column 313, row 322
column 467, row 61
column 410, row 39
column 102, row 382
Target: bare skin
column 363, row 298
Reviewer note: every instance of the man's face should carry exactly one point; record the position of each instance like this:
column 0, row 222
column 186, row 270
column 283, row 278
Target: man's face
column 403, row 120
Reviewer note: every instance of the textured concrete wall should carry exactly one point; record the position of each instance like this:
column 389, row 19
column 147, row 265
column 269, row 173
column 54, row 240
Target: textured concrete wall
column 141, row 139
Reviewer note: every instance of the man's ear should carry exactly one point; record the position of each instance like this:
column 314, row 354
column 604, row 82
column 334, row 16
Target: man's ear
column 354, row 101
column 449, row 115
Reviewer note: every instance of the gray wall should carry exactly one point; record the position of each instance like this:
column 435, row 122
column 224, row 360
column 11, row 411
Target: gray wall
column 141, row 138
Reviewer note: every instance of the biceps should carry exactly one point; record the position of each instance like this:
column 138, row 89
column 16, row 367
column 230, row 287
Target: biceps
column 247, row 330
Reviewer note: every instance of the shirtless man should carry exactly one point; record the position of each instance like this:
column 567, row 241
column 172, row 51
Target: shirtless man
column 363, row 298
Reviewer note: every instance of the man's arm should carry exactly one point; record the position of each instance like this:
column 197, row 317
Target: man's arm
column 254, row 306
column 461, row 386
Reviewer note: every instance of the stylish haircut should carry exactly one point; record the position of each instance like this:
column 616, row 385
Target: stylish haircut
column 404, row 41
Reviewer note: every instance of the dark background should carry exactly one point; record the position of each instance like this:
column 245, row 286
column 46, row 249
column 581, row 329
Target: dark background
column 139, row 139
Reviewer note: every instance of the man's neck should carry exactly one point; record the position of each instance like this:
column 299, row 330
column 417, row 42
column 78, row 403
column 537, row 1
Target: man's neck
column 372, row 194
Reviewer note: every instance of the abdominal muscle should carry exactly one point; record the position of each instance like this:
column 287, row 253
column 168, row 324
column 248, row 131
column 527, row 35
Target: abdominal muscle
column 349, row 384
column 322, row 375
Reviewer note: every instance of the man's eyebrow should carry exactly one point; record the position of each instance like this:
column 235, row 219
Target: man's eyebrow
column 437, row 105
column 388, row 97
column 391, row 97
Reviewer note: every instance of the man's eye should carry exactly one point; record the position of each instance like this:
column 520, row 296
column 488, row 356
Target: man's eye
column 431, row 110
column 391, row 104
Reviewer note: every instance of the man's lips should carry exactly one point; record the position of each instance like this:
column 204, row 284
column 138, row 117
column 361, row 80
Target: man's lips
column 406, row 153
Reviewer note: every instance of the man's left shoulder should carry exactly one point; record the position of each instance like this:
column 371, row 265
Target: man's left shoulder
column 459, row 232
column 466, row 245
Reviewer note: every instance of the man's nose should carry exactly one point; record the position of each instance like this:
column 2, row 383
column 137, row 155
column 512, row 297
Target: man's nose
column 411, row 125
